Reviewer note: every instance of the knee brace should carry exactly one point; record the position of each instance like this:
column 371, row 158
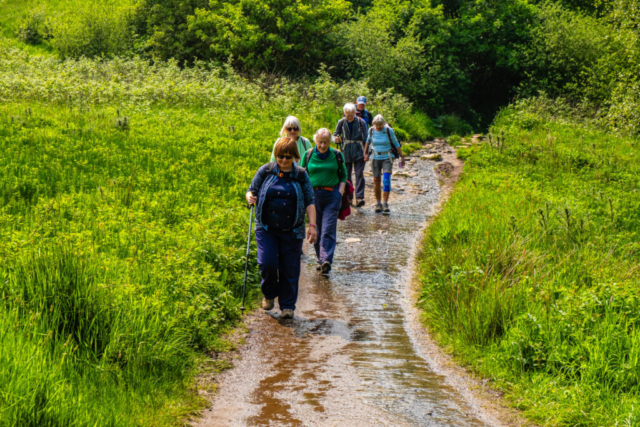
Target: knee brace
column 386, row 182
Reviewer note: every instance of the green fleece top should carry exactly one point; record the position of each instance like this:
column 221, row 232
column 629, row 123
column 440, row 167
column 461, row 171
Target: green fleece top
column 324, row 173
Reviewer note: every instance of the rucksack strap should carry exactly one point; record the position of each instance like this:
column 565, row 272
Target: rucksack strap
column 307, row 158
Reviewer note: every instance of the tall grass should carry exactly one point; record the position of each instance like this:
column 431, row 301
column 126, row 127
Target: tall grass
column 122, row 226
column 530, row 273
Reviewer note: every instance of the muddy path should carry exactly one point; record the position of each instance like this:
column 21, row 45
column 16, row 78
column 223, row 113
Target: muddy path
column 349, row 358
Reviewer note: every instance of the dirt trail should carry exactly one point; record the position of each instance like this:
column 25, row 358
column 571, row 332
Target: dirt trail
column 350, row 356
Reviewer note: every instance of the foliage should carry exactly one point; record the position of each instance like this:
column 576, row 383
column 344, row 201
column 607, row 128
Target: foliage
column 122, row 226
column 34, row 28
column 292, row 37
column 530, row 271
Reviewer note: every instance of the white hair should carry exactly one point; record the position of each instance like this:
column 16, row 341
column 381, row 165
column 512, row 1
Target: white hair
column 290, row 121
column 322, row 133
column 379, row 120
column 349, row 108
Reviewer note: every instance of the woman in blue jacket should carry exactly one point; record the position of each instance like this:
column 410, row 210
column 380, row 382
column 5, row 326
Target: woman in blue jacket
column 282, row 193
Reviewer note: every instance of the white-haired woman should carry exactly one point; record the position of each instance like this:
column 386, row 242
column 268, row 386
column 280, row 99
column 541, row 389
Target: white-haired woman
column 292, row 129
column 350, row 135
column 328, row 176
column 381, row 138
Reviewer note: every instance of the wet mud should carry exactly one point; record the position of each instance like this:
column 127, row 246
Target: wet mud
column 347, row 358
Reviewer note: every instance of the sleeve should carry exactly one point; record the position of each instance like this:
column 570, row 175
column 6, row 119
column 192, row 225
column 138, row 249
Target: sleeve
column 342, row 173
column 365, row 127
column 303, row 160
column 338, row 131
column 307, row 189
column 273, row 156
column 394, row 140
column 258, row 179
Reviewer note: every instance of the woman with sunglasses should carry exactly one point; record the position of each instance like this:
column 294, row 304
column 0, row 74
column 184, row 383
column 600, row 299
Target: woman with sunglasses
column 282, row 193
column 292, row 129
column 328, row 176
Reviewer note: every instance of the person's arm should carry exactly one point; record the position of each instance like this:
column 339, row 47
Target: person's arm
column 395, row 142
column 342, row 175
column 307, row 190
column 367, row 144
column 337, row 138
column 256, row 183
column 312, row 232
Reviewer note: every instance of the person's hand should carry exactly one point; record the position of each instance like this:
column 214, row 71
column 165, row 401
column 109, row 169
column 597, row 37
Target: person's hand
column 312, row 234
column 337, row 140
column 251, row 199
column 401, row 162
column 341, row 192
column 366, row 157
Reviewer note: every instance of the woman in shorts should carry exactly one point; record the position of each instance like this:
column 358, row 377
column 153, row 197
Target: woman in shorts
column 381, row 138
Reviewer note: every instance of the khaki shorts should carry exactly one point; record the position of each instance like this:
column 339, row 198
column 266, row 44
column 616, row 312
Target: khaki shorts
column 379, row 166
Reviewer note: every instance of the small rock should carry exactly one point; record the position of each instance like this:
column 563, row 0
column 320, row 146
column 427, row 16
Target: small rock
column 353, row 240
column 435, row 157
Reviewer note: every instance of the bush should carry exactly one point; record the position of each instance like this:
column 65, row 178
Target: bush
column 452, row 125
column 34, row 28
column 94, row 29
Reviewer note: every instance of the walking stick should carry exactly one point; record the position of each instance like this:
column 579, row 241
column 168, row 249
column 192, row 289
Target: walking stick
column 246, row 262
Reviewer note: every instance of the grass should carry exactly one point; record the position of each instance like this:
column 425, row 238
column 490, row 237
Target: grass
column 530, row 273
column 123, row 227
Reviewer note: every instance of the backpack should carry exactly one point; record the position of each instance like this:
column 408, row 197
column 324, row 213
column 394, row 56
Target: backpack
column 309, row 153
column 359, row 124
column 345, row 209
column 271, row 165
column 394, row 150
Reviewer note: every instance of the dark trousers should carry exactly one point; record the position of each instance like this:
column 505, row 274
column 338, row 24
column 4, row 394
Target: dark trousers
column 328, row 205
column 279, row 261
column 358, row 165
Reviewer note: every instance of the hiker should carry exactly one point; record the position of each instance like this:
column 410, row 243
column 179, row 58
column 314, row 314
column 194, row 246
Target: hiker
column 362, row 112
column 328, row 176
column 292, row 129
column 382, row 138
column 350, row 135
column 282, row 193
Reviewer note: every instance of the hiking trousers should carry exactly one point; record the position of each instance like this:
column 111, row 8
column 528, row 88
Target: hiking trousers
column 279, row 255
column 328, row 204
column 358, row 168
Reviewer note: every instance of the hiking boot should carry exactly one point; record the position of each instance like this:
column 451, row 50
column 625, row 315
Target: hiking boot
column 267, row 304
column 287, row 313
column 360, row 203
column 326, row 267
column 378, row 207
column 385, row 208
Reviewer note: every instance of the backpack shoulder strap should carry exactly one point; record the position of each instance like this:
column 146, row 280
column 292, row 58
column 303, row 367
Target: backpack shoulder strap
column 307, row 158
column 306, row 143
column 270, row 167
column 338, row 158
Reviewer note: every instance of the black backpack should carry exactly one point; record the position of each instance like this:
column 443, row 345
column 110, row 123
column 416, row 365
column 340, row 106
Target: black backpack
column 395, row 151
column 309, row 153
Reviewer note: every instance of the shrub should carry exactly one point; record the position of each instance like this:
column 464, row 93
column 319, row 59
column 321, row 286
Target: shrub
column 94, row 29
column 34, row 28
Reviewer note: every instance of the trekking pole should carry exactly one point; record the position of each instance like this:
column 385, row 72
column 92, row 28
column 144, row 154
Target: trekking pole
column 246, row 262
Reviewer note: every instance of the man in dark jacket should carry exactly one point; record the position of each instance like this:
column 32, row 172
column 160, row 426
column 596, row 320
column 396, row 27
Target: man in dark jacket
column 350, row 136
column 362, row 112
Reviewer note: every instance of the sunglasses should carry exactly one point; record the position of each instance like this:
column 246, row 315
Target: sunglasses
column 281, row 157
column 293, row 129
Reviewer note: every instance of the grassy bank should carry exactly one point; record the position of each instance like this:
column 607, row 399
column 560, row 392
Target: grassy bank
column 122, row 226
column 530, row 273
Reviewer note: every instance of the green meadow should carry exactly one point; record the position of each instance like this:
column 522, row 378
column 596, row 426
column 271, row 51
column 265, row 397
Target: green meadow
column 123, row 227
column 530, row 272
